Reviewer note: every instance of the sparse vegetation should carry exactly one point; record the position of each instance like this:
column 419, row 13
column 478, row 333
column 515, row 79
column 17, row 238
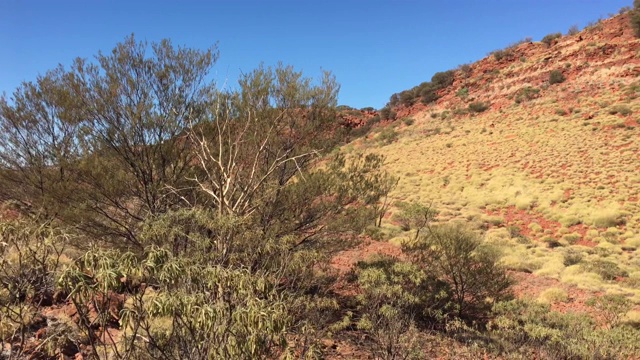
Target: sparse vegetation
column 556, row 77
column 551, row 39
column 194, row 222
column 634, row 17
column 526, row 93
column 478, row 106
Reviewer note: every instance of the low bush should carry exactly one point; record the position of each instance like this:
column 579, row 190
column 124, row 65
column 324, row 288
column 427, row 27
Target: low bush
column 551, row 39
column 478, row 106
column 526, row 93
column 620, row 109
column 470, row 269
column 521, row 328
column 605, row 268
column 556, row 77
column 387, row 136
column 634, row 17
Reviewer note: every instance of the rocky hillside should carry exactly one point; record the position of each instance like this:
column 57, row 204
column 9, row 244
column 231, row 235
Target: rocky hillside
column 601, row 58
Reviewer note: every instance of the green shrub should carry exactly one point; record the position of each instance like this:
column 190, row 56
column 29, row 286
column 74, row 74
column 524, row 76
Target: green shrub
column 443, row 79
column 605, row 268
column 387, row 136
column 526, row 93
column 550, row 39
column 408, row 121
column 470, row 269
column 522, row 328
column 478, row 106
column 463, row 93
column 561, row 112
column 394, row 295
column 503, row 54
column 620, row 109
column 556, row 77
column 572, row 257
column 634, row 17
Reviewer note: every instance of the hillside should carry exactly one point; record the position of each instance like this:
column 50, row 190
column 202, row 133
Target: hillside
column 490, row 213
column 558, row 164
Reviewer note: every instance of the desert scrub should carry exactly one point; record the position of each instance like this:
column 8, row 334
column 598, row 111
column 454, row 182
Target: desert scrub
column 605, row 268
column 478, row 106
column 620, row 109
column 607, row 218
column 523, row 327
column 526, row 93
column 553, row 295
column 387, row 136
column 408, row 121
column 556, row 77
column 551, row 39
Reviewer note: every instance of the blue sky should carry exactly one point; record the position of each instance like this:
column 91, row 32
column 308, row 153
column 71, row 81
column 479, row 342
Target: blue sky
column 374, row 48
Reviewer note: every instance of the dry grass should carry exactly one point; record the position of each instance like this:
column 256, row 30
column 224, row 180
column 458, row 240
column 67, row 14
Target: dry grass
column 576, row 175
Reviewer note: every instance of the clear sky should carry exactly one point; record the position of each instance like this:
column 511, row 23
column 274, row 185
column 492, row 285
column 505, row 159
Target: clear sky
column 374, row 48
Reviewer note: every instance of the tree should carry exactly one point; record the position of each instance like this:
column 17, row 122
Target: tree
column 100, row 144
column 457, row 256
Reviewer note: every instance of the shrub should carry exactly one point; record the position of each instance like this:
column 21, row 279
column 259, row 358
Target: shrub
column 620, row 109
column 522, row 328
column 503, row 54
column 392, row 299
column 526, row 93
column 478, row 106
column 470, row 269
column 550, row 39
column 561, row 112
column 443, row 79
column 573, row 30
column 634, row 17
column 553, row 295
column 556, row 77
column 414, row 216
column 408, row 121
column 463, row 93
column 387, row 136
column 572, row 257
column 605, row 268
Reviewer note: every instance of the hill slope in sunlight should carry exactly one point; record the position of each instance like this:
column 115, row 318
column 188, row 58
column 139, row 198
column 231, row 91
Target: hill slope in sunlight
column 538, row 142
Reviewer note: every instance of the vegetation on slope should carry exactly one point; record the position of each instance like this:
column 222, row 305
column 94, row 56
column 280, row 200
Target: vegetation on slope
column 153, row 215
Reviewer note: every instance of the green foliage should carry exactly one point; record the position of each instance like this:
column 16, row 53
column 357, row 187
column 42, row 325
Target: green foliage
column 503, row 54
column 443, row 79
column 522, row 327
column 478, row 106
column 526, row 93
column 387, row 136
column 634, row 17
column 390, row 303
column 214, row 312
column 457, row 256
column 572, row 257
column 612, row 308
column 463, row 93
column 414, row 216
column 387, row 113
column 620, row 109
column 408, row 121
column 551, row 39
column 605, row 268
column 556, row 77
